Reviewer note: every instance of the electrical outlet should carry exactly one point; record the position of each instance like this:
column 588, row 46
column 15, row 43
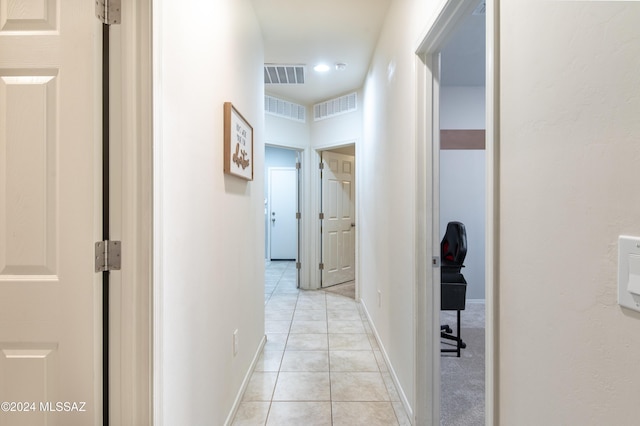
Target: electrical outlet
column 235, row 342
column 379, row 298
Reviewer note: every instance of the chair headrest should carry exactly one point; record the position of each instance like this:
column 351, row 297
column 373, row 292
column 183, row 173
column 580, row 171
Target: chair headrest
column 454, row 244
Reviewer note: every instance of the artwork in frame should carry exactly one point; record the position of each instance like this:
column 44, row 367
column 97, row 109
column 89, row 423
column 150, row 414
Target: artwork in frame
column 238, row 144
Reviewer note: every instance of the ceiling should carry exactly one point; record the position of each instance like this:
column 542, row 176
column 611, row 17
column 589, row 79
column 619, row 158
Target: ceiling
column 297, row 32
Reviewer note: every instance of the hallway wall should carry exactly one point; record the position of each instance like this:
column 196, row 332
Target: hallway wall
column 386, row 161
column 337, row 130
column 569, row 131
column 209, row 226
column 570, row 97
column 287, row 133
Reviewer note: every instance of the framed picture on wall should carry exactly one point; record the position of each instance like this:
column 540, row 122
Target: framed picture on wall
column 238, row 144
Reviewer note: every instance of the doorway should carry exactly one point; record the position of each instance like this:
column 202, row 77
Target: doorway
column 462, row 194
column 282, row 207
column 338, row 219
column 430, row 92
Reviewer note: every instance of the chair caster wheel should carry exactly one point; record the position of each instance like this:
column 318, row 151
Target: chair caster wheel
column 448, row 330
column 463, row 345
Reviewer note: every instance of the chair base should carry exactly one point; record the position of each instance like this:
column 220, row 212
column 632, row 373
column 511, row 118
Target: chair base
column 446, row 333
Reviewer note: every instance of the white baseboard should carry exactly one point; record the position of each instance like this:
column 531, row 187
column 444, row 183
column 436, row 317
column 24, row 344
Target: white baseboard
column 245, row 383
column 394, row 376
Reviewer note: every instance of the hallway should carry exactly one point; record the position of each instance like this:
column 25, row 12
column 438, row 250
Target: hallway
column 321, row 364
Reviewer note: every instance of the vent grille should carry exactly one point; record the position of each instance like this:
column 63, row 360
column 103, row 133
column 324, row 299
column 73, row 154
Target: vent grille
column 283, row 74
column 336, row 106
column 481, row 9
column 285, row 109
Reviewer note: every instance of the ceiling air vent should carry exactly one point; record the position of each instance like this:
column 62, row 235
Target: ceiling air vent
column 481, row 9
column 335, row 107
column 283, row 74
column 285, row 109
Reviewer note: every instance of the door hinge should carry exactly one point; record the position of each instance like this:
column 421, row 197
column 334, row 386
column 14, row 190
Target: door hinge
column 298, row 215
column 108, row 11
column 321, row 216
column 298, row 265
column 321, row 165
column 321, row 266
column 108, row 256
column 435, row 261
column 298, row 166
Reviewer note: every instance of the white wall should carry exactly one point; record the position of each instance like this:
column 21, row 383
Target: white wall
column 463, row 180
column 341, row 129
column 386, row 165
column 288, row 133
column 570, row 102
column 462, row 107
column 462, row 199
column 209, row 226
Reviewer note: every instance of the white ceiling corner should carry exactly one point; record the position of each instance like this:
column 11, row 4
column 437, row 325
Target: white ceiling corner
column 346, row 31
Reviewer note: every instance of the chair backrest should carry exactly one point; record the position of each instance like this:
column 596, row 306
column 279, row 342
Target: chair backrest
column 453, row 248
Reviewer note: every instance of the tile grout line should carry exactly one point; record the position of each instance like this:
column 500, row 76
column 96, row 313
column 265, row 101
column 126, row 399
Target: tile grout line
column 298, row 308
column 326, row 318
column 295, row 307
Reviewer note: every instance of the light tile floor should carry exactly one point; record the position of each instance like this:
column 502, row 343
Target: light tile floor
column 321, row 364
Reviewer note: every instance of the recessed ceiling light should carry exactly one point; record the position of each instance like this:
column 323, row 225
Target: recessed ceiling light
column 321, row 68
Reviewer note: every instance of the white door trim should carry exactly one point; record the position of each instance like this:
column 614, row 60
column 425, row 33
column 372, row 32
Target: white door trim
column 304, row 174
column 158, row 211
column 133, row 396
column 427, row 296
column 492, row 246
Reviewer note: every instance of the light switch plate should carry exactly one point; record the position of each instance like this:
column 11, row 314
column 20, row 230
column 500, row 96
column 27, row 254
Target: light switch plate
column 629, row 272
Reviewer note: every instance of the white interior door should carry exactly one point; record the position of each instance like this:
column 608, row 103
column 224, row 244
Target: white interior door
column 338, row 226
column 283, row 194
column 50, row 350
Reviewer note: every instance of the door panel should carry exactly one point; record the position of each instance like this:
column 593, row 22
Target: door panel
column 49, row 303
column 338, row 236
column 283, row 193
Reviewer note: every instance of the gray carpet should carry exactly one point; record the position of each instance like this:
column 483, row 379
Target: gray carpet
column 462, row 379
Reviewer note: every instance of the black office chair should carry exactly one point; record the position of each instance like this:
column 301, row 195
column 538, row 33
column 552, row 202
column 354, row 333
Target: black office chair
column 453, row 293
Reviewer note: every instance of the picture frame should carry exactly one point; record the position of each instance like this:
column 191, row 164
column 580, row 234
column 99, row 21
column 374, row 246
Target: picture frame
column 238, row 144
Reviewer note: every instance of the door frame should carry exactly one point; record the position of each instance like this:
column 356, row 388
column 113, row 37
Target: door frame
column 427, row 297
column 303, row 256
column 132, row 134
